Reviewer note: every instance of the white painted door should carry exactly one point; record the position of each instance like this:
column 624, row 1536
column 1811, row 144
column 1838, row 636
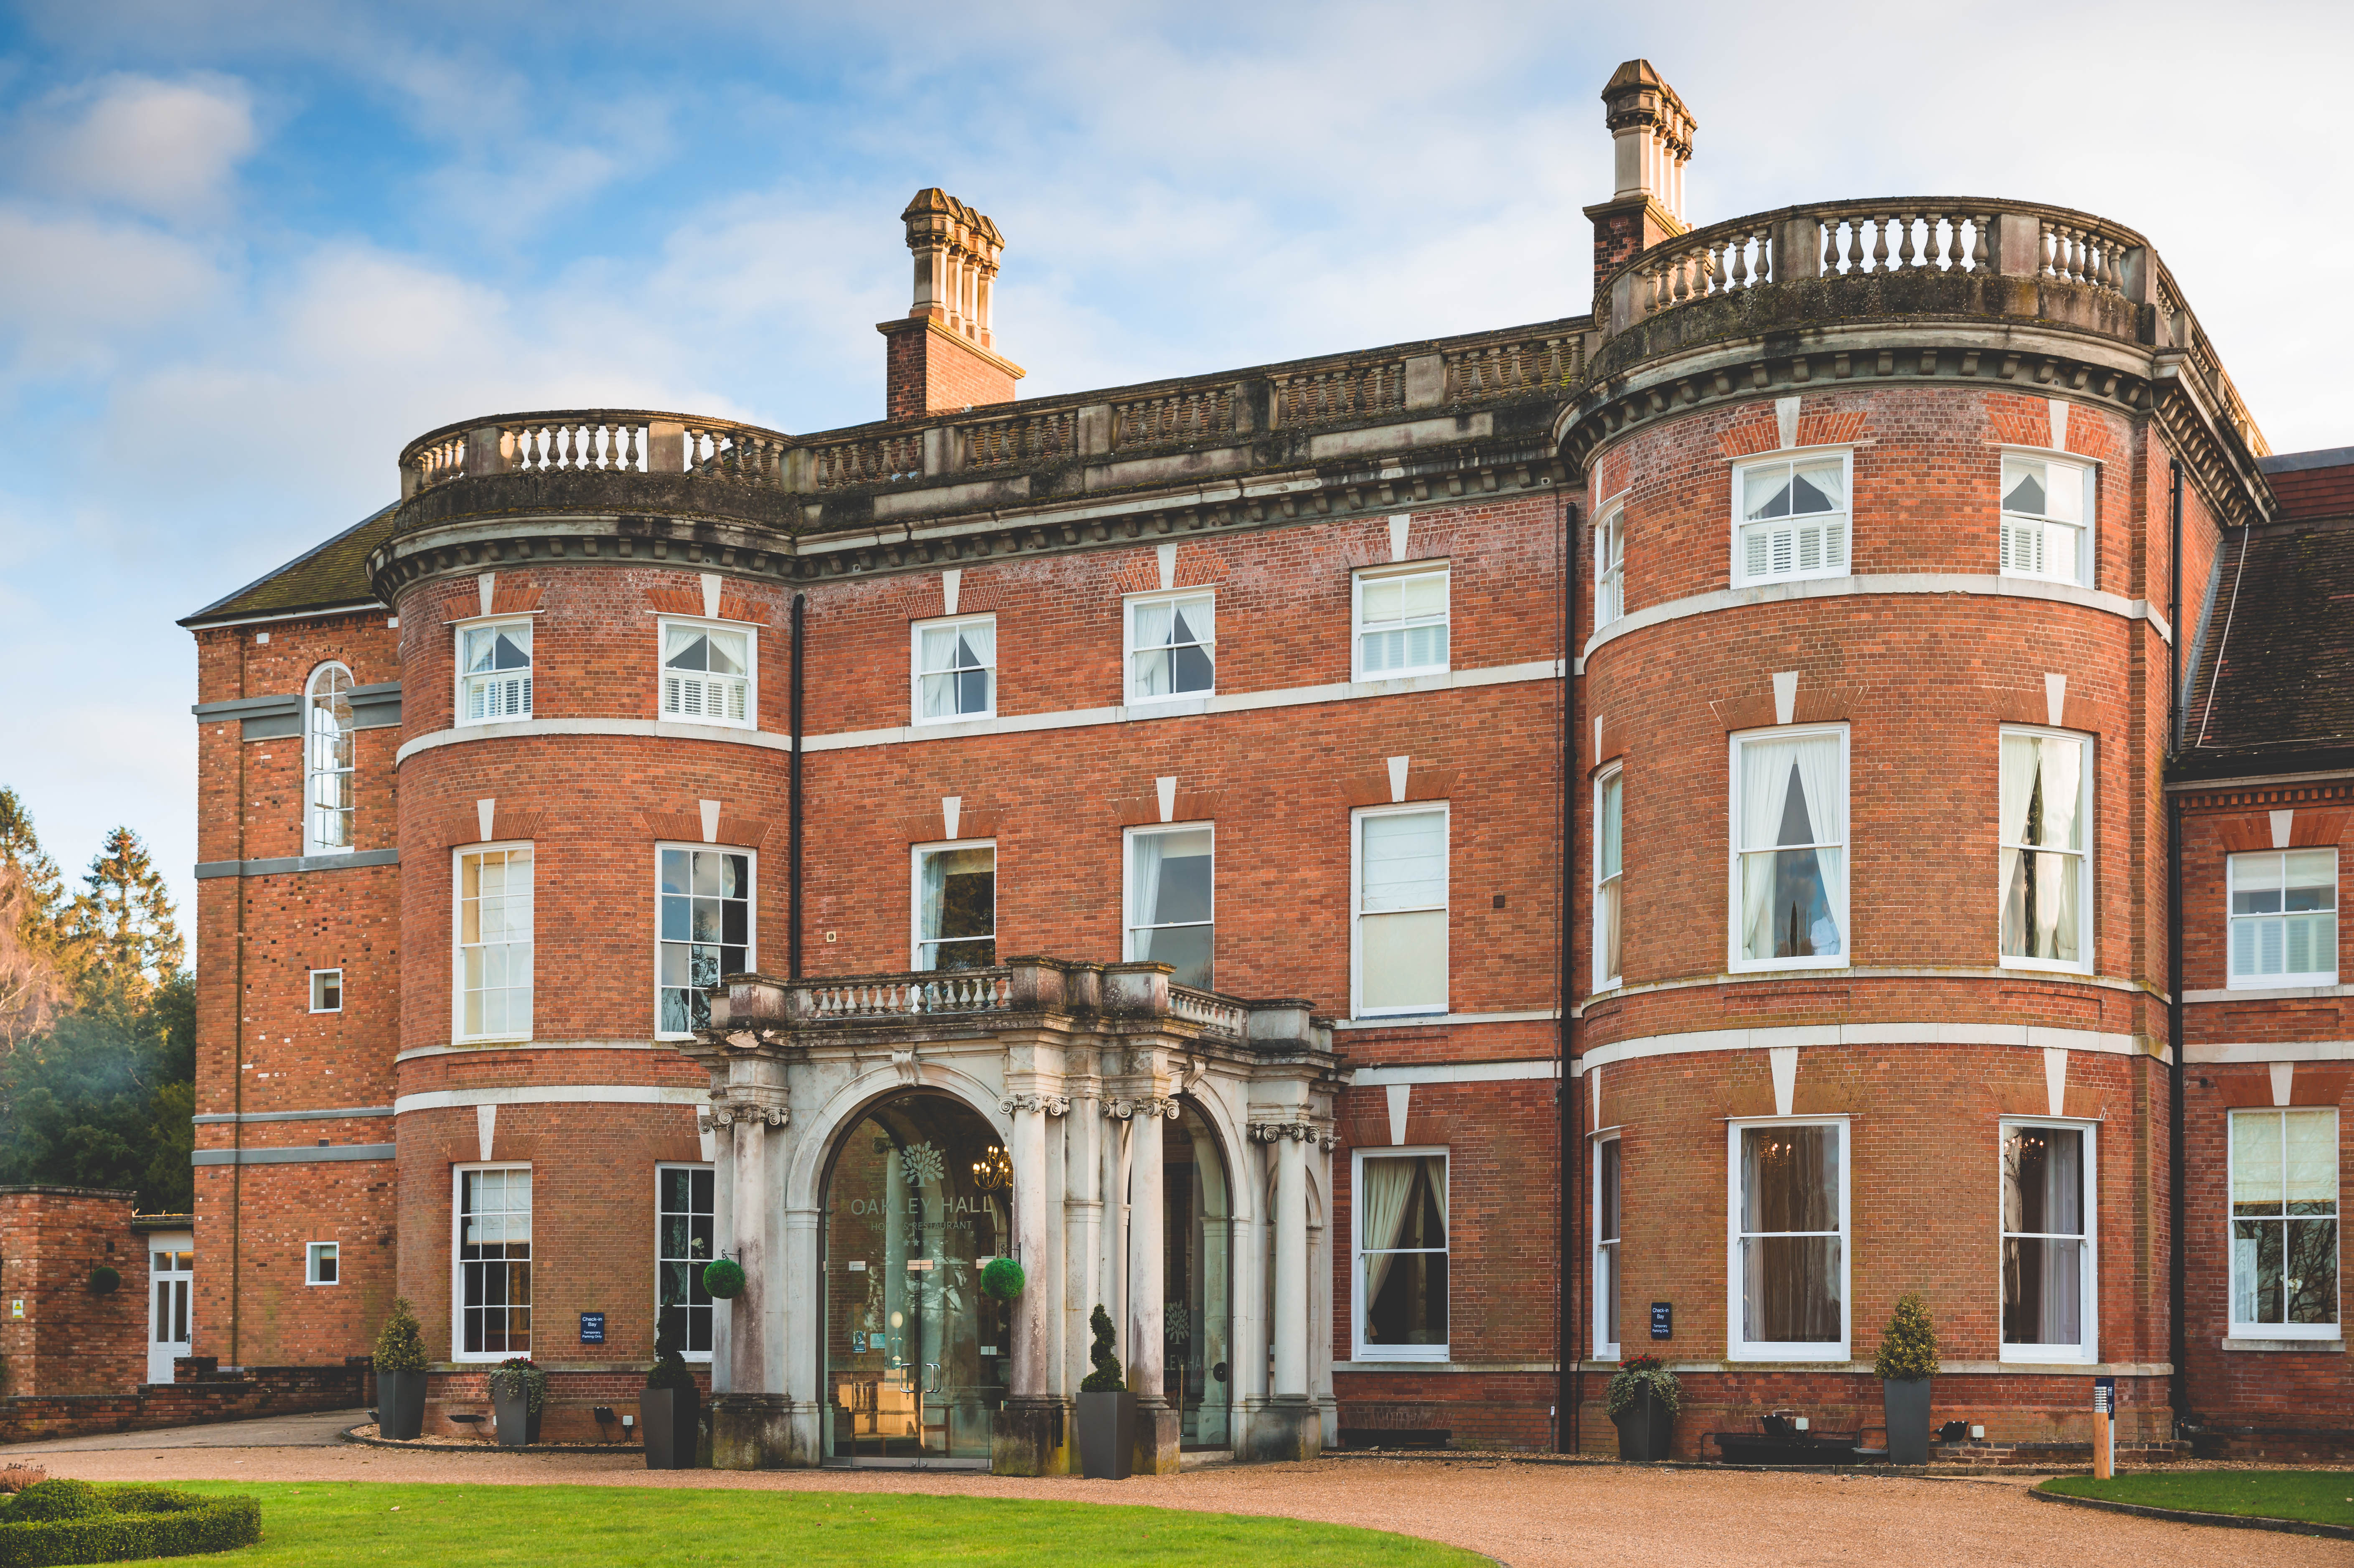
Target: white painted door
column 171, row 1280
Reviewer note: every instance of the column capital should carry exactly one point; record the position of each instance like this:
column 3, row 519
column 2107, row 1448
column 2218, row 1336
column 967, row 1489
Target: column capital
column 748, row 1103
column 1296, row 1131
column 1052, row 1104
column 1126, row 1107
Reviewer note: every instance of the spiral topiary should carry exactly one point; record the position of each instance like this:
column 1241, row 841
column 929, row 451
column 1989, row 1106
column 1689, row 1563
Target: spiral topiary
column 1908, row 1350
column 669, row 1369
column 1002, row 1279
column 722, row 1277
column 1106, row 1377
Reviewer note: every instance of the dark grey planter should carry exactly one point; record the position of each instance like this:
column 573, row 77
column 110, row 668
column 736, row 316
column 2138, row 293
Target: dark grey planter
column 400, row 1404
column 518, row 1422
column 1107, row 1436
column 1907, row 1402
column 1646, row 1428
column 669, row 1419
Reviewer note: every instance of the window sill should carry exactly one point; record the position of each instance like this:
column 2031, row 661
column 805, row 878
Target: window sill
column 2332, row 1347
column 947, row 719
column 1411, row 1356
column 1752, row 967
column 1176, row 702
column 2040, row 967
column 463, row 1041
column 2043, row 1356
column 1384, row 677
column 2293, row 985
column 1790, row 1355
column 2039, row 578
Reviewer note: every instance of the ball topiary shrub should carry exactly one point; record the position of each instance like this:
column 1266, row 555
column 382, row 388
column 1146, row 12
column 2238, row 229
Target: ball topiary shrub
column 74, row 1521
column 1908, row 1350
column 105, row 1281
column 1002, row 1279
column 724, row 1278
column 400, row 1344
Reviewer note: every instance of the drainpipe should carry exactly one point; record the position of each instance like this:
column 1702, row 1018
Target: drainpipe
column 237, row 1027
column 793, row 795
column 1570, row 1373
column 2178, row 1334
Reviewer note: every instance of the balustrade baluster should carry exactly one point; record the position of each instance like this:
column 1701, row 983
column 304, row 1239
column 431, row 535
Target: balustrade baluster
column 1880, row 244
column 1853, row 262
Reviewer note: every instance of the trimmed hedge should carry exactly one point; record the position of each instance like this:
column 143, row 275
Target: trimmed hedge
column 78, row 1522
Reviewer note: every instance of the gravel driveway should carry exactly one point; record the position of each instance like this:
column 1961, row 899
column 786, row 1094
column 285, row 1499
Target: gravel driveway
column 1529, row 1515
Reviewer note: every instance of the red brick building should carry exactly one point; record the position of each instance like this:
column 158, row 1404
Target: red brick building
column 1738, row 737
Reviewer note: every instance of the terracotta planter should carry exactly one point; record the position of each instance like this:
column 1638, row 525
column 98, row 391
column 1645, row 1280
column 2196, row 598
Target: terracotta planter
column 400, row 1404
column 1646, row 1428
column 669, row 1419
column 1107, row 1436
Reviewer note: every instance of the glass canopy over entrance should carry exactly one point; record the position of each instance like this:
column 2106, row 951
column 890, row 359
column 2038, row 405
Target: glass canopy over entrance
column 918, row 1200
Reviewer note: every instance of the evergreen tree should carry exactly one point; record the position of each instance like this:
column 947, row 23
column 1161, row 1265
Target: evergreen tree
column 102, row 1099
column 35, row 978
column 123, row 923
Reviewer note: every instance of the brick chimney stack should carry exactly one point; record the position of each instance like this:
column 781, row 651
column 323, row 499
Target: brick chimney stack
column 1652, row 131
column 942, row 357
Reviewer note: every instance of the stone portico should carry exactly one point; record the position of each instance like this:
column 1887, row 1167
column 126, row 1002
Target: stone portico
column 1077, row 1069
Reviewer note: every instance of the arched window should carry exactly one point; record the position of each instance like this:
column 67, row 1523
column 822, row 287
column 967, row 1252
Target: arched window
column 327, row 762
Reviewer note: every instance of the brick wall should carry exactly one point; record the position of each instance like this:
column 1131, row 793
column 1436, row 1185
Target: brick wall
column 928, row 370
column 69, row 1339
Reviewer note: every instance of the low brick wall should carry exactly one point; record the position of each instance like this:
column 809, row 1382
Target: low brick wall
column 567, row 1417
column 193, row 1402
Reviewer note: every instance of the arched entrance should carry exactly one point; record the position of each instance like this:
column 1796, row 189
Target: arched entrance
column 1197, row 1273
column 918, row 1198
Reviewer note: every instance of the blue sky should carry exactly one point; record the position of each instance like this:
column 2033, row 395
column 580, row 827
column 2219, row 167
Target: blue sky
column 248, row 251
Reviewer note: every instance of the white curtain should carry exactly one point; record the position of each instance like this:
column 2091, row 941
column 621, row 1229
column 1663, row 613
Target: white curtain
column 1825, row 477
column 2018, row 767
column 1144, row 890
column 2312, row 1159
column 1822, row 772
column 933, row 870
column 2063, row 1200
column 1764, row 781
column 1382, row 1189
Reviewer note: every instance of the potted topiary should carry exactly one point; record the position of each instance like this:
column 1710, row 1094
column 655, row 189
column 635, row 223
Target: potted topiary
column 1642, row 1400
column 518, row 1390
column 671, row 1409
column 400, row 1373
column 1907, row 1360
column 1107, row 1411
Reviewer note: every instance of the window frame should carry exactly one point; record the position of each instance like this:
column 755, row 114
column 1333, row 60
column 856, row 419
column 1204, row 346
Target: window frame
column 1843, row 906
column 916, row 853
column 458, row 630
column 1737, row 1349
column 701, row 1357
column 2086, row 532
column 2088, row 1284
column 748, row 630
column 457, row 854
column 458, row 1351
column 311, row 1253
column 1790, row 456
column 751, row 919
column 1127, row 840
column 2085, row 925
column 1610, row 1253
column 337, row 984
column 1358, row 817
column 1605, row 979
column 916, row 670
column 313, row 845
column 1129, row 604
column 1359, row 1350
column 1610, row 563
column 2235, row 1326
column 2234, row 981
column 1438, row 566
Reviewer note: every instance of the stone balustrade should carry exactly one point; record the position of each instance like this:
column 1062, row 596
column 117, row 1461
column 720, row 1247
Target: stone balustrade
column 1885, row 238
column 600, row 440
column 760, row 1009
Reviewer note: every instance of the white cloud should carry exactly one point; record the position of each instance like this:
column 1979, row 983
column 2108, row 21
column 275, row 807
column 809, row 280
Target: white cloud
column 74, row 287
column 167, row 149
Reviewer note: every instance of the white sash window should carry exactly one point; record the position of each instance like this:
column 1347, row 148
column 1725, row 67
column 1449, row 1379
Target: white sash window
column 2047, row 512
column 1609, row 802
column 2285, row 1223
column 1172, row 915
column 1610, row 567
column 1401, row 910
column 706, row 673
column 1401, row 616
column 328, row 762
column 2049, row 1301
column 1790, row 1267
column 2284, row 918
column 1789, row 849
column 956, row 669
column 494, row 672
column 1790, row 519
column 495, row 943
column 2046, row 848
column 1172, row 646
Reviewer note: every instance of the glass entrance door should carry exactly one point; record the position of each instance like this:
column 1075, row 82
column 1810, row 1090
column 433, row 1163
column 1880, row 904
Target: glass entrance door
column 171, row 1279
column 919, row 1198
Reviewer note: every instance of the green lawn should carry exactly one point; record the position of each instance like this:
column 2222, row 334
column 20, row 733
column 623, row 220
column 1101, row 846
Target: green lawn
column 2319, row 1496
column 321, row 1525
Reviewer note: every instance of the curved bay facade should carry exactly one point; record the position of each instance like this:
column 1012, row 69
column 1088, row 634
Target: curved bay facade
column 1405, row 877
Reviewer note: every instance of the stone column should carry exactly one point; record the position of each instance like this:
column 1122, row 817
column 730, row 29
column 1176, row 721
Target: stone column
column 1157, row 1422
column 1027, row 1437
column 1290, row 1426
column 751, row 1424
